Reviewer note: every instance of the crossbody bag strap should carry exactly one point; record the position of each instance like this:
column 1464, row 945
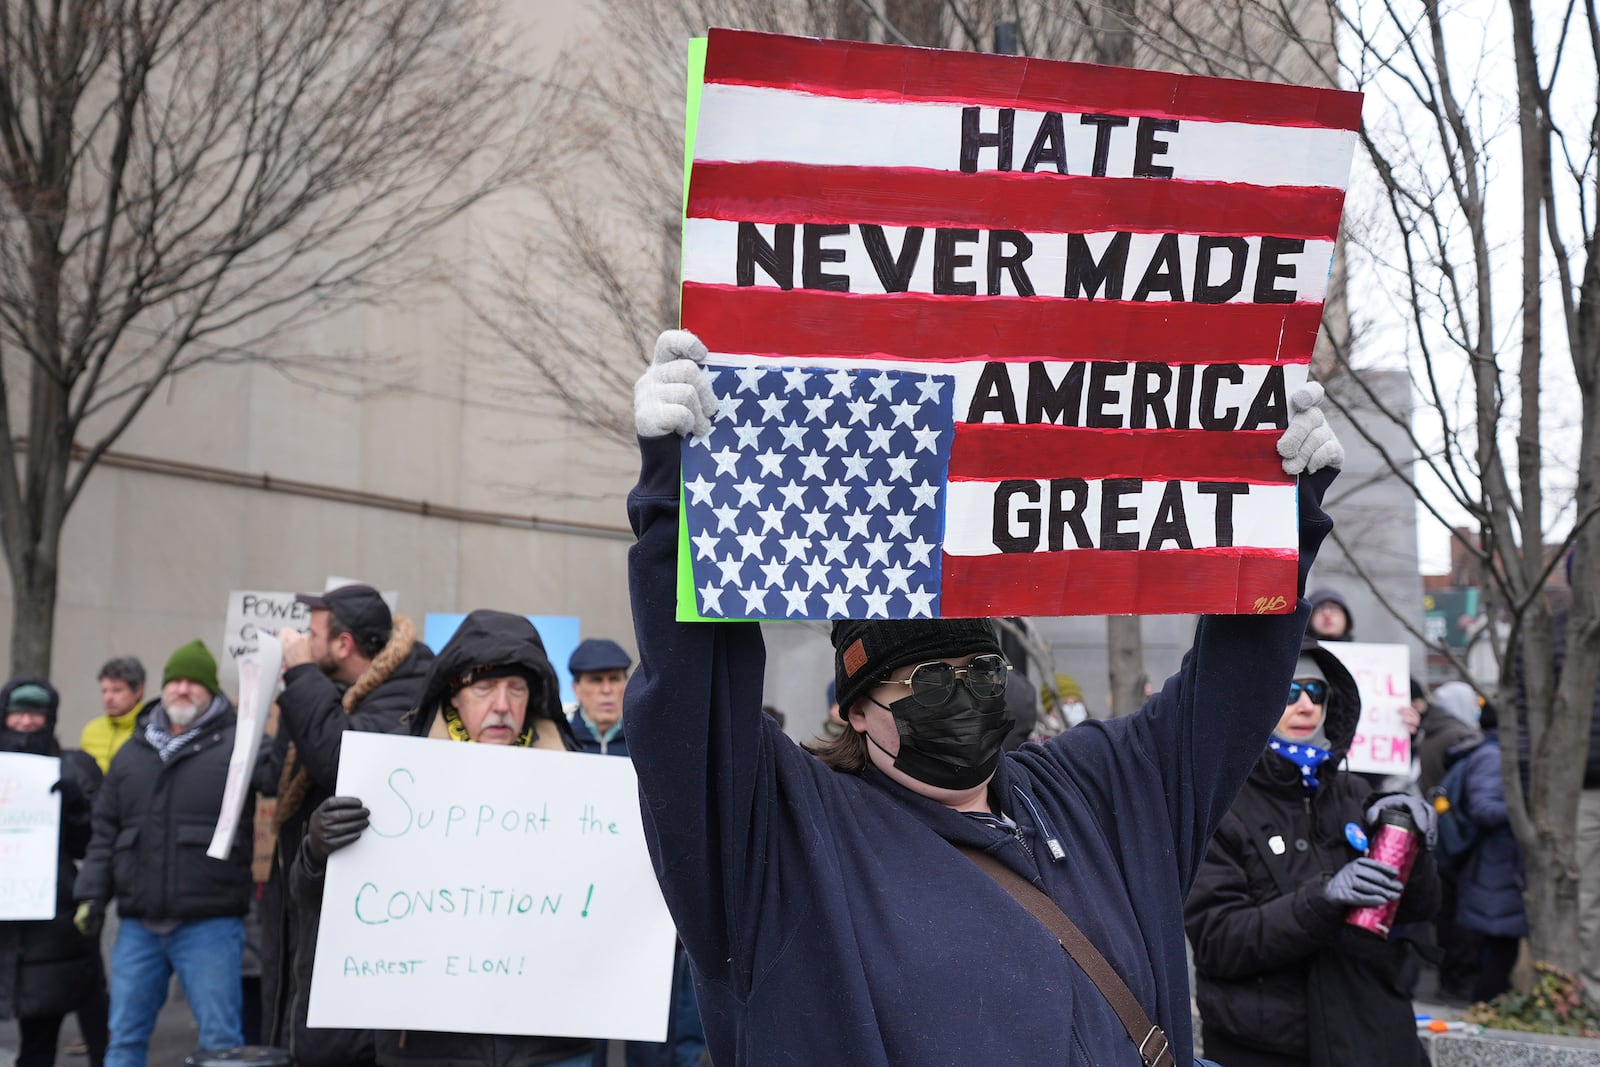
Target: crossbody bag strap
column 1146, row 1035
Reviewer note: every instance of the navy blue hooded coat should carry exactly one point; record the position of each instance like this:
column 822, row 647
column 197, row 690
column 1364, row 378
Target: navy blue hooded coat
column 830, row 918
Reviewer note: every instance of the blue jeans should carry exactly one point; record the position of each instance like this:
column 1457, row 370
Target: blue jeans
column 206, row 953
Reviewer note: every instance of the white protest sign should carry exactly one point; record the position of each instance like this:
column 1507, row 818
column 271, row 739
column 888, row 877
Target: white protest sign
column 1383, row 674
column 252, row 613
column 258, row 683
column 497, row 890
column 30, row 835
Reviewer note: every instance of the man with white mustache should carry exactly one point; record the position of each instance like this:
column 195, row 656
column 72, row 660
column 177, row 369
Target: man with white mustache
column 181, row 910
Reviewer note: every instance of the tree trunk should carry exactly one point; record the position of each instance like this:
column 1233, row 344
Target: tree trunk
column 1125, row 657
column 33, row 608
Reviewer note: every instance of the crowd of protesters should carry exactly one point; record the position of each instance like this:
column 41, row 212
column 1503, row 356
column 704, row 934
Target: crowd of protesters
column 910, row 877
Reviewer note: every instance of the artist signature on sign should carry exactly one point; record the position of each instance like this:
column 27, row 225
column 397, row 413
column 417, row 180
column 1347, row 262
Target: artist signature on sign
column 1266, row 605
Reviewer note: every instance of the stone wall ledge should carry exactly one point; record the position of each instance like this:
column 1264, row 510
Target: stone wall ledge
column 1510, row 1048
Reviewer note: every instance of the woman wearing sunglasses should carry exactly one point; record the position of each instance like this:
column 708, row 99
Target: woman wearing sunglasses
column 825, row 900
column 1282, row 980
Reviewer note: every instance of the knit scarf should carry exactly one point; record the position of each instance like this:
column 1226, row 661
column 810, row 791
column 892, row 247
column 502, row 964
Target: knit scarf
column 158, row 731
column 1309, row 758
column 458, row 731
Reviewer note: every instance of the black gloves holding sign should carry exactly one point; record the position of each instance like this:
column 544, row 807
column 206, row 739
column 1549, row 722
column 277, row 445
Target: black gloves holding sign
column 336, row 823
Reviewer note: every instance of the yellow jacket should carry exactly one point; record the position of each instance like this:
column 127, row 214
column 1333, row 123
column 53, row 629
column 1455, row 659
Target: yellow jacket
column 104, row 735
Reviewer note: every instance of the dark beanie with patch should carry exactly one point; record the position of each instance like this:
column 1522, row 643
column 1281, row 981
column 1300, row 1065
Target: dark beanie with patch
column 865, row 651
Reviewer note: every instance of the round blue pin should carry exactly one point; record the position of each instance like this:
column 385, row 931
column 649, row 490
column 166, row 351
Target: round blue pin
column 1356, row 836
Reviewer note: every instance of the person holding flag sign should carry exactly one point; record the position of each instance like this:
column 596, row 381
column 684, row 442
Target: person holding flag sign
column 848, row 907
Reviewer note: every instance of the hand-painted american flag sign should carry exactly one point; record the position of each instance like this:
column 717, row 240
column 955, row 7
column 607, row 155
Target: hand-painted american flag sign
column 997, row 335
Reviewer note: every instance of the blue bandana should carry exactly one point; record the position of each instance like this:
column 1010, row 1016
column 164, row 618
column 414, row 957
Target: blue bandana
column 1309, row 758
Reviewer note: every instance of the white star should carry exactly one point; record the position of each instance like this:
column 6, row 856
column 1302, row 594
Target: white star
column 917, row 551
column 900, row 467
column 774, row 572
column 838, row 494
column 877, row 604
column 794, row 437
column 855, row 467
column 710, row 599
column 905, row 413
column 795, row 546
column 900, row 523
column 750, row 378
column 841, row 380
column 858, row 523
column 928, row 390
column 921, row 603
column 749, row 435
column 817, row 408
column 730, row 570
column 772, row 408
column 882, row 386
column 705, row 545
column 816, row 466
column 878, row 495
column 879, row 436
column 816, row 573
column 727, row 461
column 794, row 379
column 795, row 600
column 728, row 407
column 927, row 440
column 755, row 599
column 816, row 522
column 771, row 519
column 861, row 411
column 752, row 543
column 897, row 578
column 927, row 494
column 878, row 550
column 833, row 549
column 700, row 489
column 771, row 463
column 702, row 439
column 838, row 603
column 838, row 437
column 749, row 492
column 794, row 496
column 725, row 516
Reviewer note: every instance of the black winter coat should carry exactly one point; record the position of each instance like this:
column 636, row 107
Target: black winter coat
column 1280, row 971
column 47, row 967
column 153, row 822
column 311, row 714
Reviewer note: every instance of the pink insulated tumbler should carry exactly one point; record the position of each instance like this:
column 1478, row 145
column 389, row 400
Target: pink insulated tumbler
column 1396, row 843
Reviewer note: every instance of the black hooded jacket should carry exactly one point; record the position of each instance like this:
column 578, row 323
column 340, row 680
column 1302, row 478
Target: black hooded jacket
column 46, row 966
column 1281, row 971
column 485, row 638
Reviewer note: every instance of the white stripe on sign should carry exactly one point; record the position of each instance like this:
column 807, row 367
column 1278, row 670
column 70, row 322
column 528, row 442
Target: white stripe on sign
column 744, row 124
column 1066, row 514
column 1140, row 267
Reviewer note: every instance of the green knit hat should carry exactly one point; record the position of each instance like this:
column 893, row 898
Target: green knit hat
column 192, row 662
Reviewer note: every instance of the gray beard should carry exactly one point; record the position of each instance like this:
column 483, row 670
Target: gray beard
column 183, row 715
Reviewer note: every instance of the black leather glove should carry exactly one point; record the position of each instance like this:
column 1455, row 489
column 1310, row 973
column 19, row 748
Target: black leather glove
column 90, row 919
column 1364, row 883
column 336, row 823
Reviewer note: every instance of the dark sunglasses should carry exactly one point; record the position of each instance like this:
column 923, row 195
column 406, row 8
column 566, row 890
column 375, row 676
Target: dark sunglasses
column 933, row 684
column 1316, row 690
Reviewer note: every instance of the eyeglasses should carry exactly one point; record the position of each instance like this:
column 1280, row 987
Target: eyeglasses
column 1315, row 689
column 933, row 684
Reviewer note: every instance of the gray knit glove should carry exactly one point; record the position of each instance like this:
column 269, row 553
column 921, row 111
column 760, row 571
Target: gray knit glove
column 1364, row 883
column 1308, row 443
column 1422, row 814
column 675, row 394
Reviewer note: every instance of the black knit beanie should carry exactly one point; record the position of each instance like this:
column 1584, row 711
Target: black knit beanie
column 864, row 652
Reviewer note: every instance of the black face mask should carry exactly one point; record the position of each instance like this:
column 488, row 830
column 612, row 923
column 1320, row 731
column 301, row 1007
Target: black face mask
column 37, row 743
column 953, row 746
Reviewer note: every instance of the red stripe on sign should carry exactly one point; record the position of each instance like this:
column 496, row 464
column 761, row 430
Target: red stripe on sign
column 1226, row 581
column 888, row 72
column 781, row 322
column 986, row 451
column 1041, row 203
